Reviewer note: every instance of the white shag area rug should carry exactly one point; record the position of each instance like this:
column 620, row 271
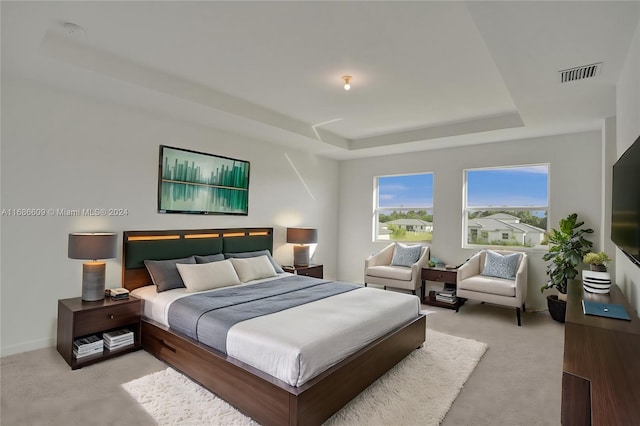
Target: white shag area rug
column 419, row 390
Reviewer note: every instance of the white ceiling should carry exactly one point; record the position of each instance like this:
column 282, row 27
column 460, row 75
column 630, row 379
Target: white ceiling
column 425, row 74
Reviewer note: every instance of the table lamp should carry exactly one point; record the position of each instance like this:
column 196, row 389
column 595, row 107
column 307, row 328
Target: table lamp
column 93, row 246
column 301, row 236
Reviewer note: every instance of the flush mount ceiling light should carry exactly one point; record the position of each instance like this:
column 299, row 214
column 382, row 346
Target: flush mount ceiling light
column 347, row 82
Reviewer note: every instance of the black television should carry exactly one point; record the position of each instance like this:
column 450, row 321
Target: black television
column 625, row 209
column 199, row 183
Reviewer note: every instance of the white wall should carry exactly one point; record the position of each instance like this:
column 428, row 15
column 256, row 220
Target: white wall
column 627, row 130
column 608, row 159
column 62, row 151
column 575, row 180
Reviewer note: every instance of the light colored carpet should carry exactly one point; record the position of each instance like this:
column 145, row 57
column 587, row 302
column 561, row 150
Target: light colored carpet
column 433, row 375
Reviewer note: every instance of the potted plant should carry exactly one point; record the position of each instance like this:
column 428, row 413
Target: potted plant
column 567, row 247
column 596, row 261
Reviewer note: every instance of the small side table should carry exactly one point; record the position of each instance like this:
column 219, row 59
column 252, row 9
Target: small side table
column 449, row 277
column 77, row 318
column 315, row 271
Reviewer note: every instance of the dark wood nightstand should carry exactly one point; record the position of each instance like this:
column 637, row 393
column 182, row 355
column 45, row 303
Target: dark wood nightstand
column 315, row 271
column 77, row 318
column 442, row 275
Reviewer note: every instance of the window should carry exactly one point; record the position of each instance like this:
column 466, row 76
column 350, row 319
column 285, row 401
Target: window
column 506, row 206
column 403, row 207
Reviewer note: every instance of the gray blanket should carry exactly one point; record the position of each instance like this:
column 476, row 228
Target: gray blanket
column 208, row 317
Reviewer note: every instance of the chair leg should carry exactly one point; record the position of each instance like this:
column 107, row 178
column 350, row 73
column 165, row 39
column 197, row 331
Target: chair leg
column 385, row 287
column 413, row 292
column 524, row 308
column 518, row 316
column 365, row 284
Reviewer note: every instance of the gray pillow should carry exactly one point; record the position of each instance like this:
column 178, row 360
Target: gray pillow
column 405, row 255
column 210, row 258
column 499, row 266
column 248, row 254
column 164, row 273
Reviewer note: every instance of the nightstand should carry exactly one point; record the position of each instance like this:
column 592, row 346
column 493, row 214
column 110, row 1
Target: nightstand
column 308, row 271
column 449, row 277
column 77, row 318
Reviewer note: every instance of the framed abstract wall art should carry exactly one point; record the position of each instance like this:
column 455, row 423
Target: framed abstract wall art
column 199, row 183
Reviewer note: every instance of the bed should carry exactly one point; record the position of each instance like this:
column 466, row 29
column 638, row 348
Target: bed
column 309, row 398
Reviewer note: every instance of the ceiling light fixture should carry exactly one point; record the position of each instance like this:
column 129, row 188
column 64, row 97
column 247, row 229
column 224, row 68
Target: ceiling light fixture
column 347, row 82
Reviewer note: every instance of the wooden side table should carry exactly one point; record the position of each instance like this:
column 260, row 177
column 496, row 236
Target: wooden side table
column 77, row 318
column 315, row 271
column 449, row 277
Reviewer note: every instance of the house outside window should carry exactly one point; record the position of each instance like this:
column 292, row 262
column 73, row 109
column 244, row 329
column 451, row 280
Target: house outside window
column 403, row 207
column 506, row 206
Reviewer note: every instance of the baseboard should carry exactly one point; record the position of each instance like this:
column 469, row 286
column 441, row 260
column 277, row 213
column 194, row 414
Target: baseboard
column 26, row 346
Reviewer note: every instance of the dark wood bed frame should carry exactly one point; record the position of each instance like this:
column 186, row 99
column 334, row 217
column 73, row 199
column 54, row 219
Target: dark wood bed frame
column 267, row 400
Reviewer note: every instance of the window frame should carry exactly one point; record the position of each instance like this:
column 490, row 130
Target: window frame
column 377, row 209
column 466, row 210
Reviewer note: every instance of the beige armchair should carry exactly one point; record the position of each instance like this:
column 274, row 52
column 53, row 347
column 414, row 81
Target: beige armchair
column 500, row 291
column 378, row 270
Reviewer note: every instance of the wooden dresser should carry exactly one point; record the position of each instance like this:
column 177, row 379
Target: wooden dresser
column 601, row 372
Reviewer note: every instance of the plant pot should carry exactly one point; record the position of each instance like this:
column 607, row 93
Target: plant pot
column 598, row 268
column 557, row 308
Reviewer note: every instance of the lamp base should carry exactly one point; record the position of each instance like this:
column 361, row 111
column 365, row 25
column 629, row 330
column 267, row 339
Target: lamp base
column 93, row 274
column 301, row 255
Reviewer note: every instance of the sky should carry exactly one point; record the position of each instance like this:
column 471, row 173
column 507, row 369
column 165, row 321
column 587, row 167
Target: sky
column 406, row 190
column 515, row 187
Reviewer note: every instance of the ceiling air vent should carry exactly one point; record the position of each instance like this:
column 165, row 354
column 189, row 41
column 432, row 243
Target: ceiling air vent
column 580, row 73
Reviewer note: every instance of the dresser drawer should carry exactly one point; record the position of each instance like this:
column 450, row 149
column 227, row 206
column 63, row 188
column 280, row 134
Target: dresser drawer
column 439, row 276
column 91, row 321
column 315, row 271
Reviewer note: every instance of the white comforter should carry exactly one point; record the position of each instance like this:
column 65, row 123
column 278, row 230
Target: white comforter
column 297, row 344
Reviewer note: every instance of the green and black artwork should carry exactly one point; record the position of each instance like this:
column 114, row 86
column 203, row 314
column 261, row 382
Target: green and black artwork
column 195, row 182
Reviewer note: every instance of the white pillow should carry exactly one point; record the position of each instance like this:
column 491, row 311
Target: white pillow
column 253, row 268
column 207, row 276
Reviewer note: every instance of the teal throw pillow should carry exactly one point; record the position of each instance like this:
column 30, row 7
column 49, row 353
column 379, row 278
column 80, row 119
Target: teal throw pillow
column 405, row 255
column 499, row 266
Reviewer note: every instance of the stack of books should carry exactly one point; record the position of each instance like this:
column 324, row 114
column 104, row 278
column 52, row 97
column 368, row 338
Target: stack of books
column 117, row 293
column 87, row 346
column 447, row 295
column 117, row 339
column 596, row 282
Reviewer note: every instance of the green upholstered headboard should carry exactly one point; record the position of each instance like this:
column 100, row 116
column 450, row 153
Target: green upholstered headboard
column 173, row 244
